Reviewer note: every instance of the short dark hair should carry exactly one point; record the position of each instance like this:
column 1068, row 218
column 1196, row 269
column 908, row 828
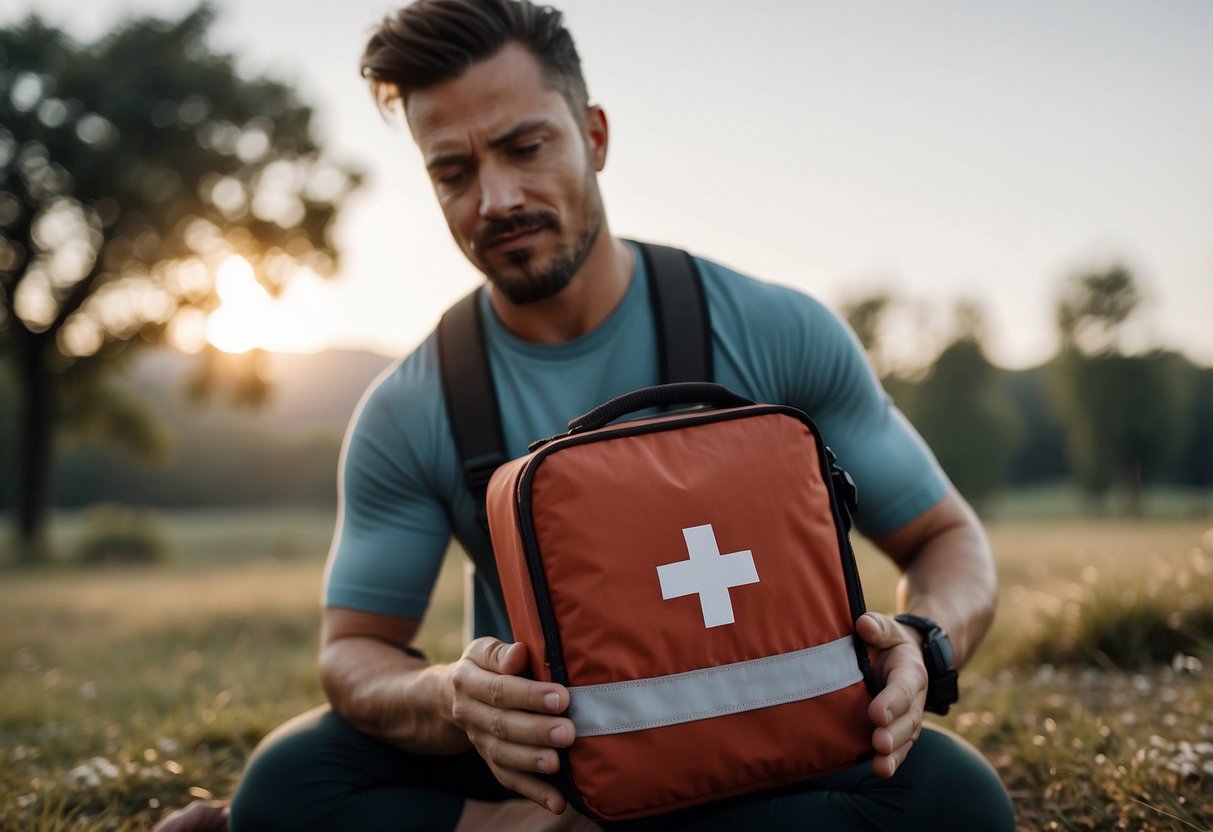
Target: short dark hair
column 431, row 41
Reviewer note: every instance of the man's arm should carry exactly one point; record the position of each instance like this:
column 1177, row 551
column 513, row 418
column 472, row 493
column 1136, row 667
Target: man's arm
column 381, row 689
column 947, row 571
column 947, row 575
column 477, row 702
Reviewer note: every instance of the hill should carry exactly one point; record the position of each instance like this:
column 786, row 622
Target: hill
column 283, row 451
column 306, row 392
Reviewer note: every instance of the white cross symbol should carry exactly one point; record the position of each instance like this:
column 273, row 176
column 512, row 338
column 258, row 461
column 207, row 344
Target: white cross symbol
column 707, row 574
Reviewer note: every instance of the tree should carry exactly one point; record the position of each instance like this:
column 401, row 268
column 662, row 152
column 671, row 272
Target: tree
column 964, row 412
column 1195, row 463
column 1123, row 412
column 131, row 168
column 868, row 316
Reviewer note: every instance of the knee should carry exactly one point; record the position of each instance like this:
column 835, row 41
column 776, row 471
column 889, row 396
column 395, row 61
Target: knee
column 966, row 792
column 274, row 790
column 263, row 796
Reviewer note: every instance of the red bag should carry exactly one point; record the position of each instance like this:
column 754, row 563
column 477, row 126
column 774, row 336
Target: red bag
column 689, row 578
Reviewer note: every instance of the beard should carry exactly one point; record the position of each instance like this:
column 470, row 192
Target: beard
column 528, row 283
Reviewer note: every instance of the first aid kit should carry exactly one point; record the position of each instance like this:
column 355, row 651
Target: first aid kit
column 687, row 574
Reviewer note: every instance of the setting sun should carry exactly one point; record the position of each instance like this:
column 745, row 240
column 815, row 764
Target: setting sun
column 242, row 321
column 248, row 318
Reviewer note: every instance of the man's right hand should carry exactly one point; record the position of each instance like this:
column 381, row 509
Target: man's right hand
column 512, row 721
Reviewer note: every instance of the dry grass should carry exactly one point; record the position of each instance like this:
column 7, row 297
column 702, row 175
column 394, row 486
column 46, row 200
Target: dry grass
column 127, row 692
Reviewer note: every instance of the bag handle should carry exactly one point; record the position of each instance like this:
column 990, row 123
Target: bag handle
column 687, row 392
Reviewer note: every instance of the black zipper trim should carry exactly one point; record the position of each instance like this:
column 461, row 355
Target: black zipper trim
column 554, row 652
column 850, row 568
column 547, row 617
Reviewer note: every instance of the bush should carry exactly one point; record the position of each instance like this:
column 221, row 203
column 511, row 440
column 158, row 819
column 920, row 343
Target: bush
column 1130, row 625
column 115, row 534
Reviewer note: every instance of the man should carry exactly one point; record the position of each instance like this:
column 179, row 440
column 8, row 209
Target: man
column 493, row 95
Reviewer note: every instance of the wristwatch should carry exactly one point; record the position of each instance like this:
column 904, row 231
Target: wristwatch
column 937, row 655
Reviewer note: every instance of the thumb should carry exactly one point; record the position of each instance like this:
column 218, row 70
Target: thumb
column 497, row 656
column 879, row 630
column 512, row 658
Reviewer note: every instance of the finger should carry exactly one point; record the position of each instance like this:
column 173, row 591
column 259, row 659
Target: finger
column 905, row 688
column 516, row 756
column 892, row 703
column 533, row 759
column 518, row 727
column 901, row 731
column 879, row 631
column 531, row 787
column 506, row 692
column 497, row 656
column 886, row 765
column 199, row 816
column 511, row 693
column 536, row 751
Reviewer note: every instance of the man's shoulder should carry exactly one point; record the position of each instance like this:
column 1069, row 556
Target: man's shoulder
column 407, row 393
column 736, row 298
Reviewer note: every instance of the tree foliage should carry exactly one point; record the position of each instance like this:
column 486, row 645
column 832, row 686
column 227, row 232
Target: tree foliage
column 1124, row 413
column 866, row 316
column 965, row 413
column 131, row 169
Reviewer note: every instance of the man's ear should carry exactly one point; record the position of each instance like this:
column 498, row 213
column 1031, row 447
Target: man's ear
column 597, row 135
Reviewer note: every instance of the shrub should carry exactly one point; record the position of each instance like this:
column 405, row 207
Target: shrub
column 115, row 534
column 1130, row 624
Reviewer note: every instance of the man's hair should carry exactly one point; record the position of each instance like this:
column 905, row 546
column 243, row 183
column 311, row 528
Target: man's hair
column 431, row 41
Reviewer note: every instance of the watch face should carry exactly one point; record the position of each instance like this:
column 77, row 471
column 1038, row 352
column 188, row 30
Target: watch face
column 942, row 645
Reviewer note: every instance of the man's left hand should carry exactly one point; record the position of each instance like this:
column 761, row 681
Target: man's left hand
column 897, row 710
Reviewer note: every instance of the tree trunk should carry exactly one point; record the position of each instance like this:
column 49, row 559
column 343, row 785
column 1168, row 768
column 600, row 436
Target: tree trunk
column 36, row 430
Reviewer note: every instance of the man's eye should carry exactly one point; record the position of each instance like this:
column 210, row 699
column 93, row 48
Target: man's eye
column 525, row 151
column 451, row 178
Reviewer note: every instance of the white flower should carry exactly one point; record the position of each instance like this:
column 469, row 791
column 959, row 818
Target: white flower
column 83, row 777
column 90, row 774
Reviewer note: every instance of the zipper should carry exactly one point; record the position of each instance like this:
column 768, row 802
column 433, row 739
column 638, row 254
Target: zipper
column 539, row 581
column 850, row 568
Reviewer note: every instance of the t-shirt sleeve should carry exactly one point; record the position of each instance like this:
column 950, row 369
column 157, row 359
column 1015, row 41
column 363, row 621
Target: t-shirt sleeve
column 392, row 528
column 896, row 475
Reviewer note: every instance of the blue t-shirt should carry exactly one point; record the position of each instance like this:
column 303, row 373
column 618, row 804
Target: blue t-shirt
column 402, row 490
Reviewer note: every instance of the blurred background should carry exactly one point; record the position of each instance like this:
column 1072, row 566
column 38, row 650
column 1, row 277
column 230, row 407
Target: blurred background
column 1013, row 207
column 211, row 242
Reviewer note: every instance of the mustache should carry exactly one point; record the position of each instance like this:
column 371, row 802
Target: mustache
column 525, row 221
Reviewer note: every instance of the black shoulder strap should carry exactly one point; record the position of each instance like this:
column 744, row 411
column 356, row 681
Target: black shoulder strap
column 684, row 331
column 471, row 399
column 684, row 343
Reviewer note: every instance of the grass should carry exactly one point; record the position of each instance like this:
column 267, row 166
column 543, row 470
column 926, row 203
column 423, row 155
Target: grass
column 128, row 691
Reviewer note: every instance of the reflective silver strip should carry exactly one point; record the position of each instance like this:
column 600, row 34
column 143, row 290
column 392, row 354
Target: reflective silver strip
column 620, row 707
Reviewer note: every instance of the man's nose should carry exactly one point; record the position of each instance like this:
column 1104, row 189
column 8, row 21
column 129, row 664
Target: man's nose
column 500, row 192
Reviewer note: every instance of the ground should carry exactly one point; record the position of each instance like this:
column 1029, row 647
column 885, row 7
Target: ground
column 128, row 691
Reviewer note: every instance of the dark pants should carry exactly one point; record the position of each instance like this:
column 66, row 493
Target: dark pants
column 316, row 772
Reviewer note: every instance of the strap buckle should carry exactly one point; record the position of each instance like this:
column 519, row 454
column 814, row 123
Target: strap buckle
column 844, row 485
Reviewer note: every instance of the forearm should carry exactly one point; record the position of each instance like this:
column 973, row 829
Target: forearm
column 948, row 574
column 390, row 695
column 958, row 591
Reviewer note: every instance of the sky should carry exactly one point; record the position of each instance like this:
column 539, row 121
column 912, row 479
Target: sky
column 943, row 151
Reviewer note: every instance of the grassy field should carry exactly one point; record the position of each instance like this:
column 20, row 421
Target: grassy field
column 128, row 691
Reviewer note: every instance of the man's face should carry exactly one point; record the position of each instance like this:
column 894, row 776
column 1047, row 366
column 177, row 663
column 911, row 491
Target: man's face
column 514, row 172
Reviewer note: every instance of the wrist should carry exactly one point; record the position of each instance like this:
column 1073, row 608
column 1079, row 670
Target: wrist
column 912, row 634
column 938, row 658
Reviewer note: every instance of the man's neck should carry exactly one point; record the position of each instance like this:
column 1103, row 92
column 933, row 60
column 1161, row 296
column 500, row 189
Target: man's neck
column 591, row 296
